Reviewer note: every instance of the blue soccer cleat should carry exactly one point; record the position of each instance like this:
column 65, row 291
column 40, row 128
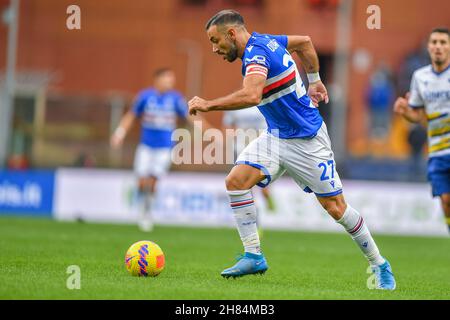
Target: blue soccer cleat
column 384, row 277
column 248, row 263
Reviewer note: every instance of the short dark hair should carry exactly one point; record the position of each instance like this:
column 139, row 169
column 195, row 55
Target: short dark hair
column 160, row 71
column 225, row 17
column 440, row 30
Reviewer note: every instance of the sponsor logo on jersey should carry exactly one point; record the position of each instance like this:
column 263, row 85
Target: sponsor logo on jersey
column 437, row 95
column 256, row 59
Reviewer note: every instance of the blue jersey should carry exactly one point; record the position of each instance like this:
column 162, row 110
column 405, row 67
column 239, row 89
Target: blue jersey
column 159, row 112
column 289, row 112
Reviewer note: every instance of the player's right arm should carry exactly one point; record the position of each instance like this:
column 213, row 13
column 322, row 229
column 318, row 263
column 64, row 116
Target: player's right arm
column 248, row 96
column 128, row 119
column 412, row 106
column 122, row 129
column 402, row 107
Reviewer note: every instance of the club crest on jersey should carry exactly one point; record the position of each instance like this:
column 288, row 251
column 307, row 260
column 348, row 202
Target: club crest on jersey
column 273, row 45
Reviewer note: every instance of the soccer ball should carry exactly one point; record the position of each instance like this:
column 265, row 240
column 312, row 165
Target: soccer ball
column 144, row 258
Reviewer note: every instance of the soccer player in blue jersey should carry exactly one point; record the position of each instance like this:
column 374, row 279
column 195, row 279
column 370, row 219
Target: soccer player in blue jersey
column 158, row 108
column 296, row 141
column 429, row 99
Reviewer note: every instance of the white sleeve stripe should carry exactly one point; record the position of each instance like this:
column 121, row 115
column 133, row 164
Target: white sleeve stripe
column 256, row 72
column 257, row 68
column 255, row 65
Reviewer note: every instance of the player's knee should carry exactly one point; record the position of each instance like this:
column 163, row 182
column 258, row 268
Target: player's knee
column 141, row 185
column 335, row 206
column 147, row 185
column 445, row 200
column 233, row 182
column 333, row 210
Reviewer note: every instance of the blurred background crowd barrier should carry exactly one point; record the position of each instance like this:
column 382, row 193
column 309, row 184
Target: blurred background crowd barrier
column 105, row 195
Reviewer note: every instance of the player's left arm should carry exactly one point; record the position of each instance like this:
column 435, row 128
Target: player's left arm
column 248, row 96
column 304, row 48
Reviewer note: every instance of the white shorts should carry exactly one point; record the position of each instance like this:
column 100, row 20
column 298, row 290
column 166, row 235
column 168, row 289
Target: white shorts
column 310, row 162
column 153, row 162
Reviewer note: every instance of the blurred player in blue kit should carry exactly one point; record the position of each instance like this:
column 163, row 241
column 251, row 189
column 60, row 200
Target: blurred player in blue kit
column 158, row 109
column 296, row 140
column 429, row 99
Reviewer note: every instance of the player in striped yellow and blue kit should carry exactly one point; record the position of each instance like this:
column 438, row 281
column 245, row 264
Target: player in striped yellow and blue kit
column 429, row 98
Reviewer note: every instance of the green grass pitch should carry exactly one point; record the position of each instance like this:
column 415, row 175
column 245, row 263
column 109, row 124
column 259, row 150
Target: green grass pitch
column 36, row 252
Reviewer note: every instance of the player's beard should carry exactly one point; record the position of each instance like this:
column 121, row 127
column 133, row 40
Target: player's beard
column 232, row 54
column 440, row 61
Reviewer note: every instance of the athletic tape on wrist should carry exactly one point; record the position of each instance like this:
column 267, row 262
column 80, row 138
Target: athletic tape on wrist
column 313, row 77
column 120, row 132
